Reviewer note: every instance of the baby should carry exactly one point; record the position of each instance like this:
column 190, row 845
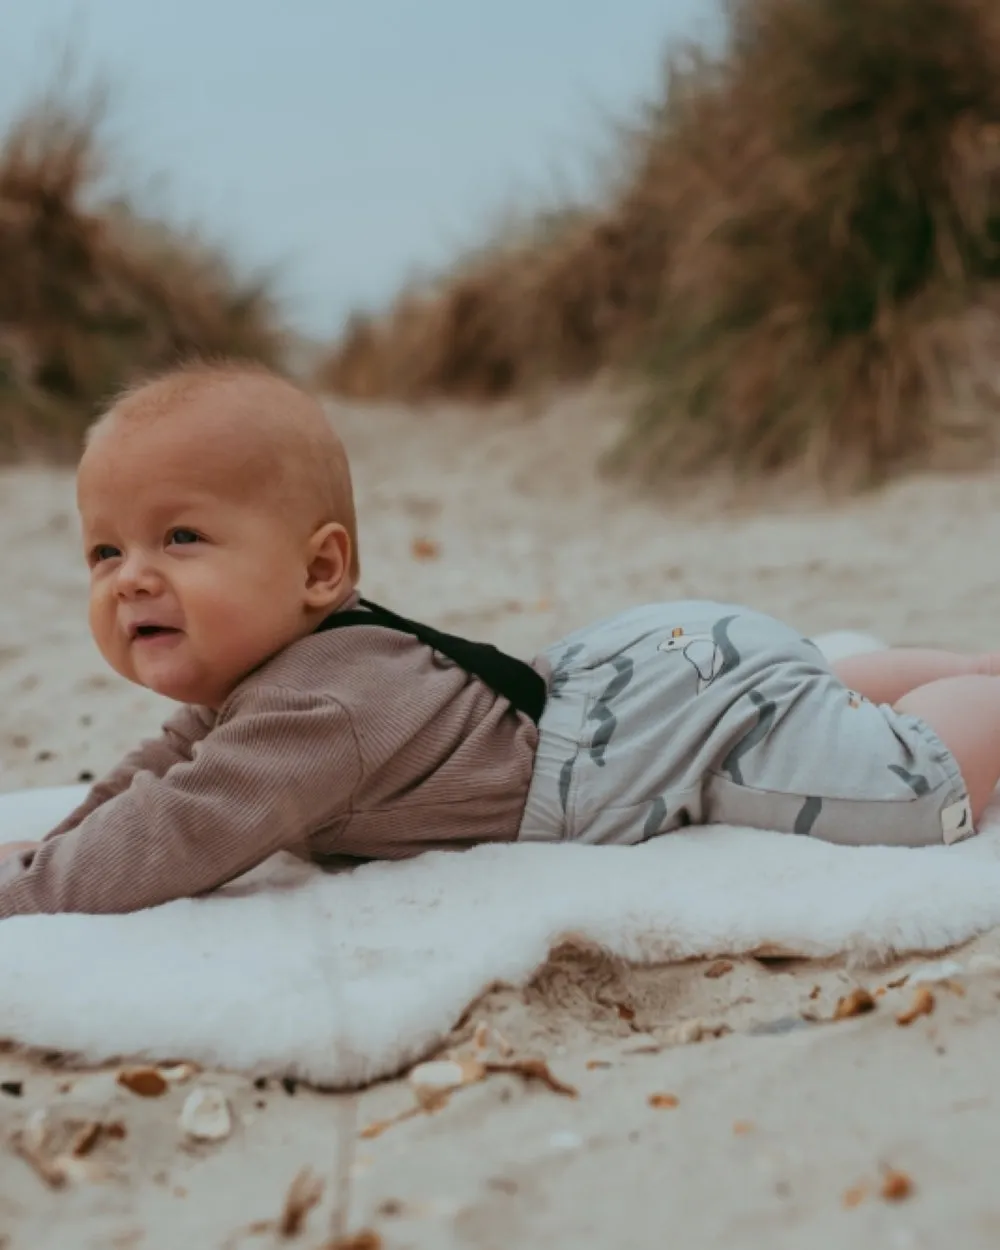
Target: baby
column 219, row 526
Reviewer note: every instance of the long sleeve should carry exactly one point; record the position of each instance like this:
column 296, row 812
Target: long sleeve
column 176, row 742
column 277, row 765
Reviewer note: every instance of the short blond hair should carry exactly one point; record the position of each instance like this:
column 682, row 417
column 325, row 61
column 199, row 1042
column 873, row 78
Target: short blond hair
column 285, row 437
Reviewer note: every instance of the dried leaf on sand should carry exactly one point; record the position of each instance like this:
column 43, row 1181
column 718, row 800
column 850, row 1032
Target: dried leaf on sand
column 535, row 1070
column 57, row 1147
column 922, row 1005
column 434, row 1082
column 146, row 1082
column 425, row 549
column 304, row 1193
column 366, row 1239
column 895, row 1185
column 858, row 1003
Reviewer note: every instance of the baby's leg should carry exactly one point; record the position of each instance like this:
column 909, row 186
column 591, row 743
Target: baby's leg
column 885, row 676
column 808, row 753
column 964, row 711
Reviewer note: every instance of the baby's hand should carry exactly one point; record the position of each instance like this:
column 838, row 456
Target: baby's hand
column 15, row 848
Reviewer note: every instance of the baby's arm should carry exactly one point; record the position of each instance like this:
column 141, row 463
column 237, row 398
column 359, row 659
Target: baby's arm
column 155, row 755
column 187, row 726
column 275, row 769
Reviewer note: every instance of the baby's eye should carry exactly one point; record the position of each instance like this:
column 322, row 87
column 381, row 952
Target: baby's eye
column 103, row 551
column 183, row 537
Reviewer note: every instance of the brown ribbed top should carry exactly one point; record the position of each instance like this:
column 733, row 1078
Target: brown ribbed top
column 360, row 742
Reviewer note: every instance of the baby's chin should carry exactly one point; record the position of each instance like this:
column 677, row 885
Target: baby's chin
column 187, row 678
column 184, row 687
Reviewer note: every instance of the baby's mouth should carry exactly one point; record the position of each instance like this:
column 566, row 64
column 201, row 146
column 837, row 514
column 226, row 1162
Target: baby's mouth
column 141, row 633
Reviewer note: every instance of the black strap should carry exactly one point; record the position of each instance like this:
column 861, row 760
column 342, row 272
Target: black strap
column 514, row 680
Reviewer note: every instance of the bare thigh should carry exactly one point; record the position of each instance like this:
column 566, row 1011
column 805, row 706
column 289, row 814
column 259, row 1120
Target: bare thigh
column 965, row 714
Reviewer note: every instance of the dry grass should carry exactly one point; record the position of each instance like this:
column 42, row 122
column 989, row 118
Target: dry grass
column 92, row 295
column 831, row 296
column 802, row 257
column 551, row 307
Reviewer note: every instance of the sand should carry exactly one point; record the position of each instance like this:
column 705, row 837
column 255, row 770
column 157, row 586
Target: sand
column 786, row 1125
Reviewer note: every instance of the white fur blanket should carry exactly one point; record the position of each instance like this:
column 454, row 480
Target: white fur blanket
column 340, row 979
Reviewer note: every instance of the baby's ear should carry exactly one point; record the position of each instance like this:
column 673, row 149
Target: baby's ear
column 328, row 566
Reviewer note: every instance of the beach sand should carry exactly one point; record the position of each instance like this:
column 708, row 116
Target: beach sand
column 775, row 1126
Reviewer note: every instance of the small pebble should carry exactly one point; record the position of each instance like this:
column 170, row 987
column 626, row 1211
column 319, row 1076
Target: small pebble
column 13, row 1089
column 205, row 1115
column 438, row 1074
column 178, row 1073
column 289, row 1084
column 690, row 1031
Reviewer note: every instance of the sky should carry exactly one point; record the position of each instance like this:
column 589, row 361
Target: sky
column 350, row 143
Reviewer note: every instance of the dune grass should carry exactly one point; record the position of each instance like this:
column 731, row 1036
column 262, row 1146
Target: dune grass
column 800, row 260
column 92, row 294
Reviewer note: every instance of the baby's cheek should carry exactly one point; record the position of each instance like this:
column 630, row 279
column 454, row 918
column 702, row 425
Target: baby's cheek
column 115, row 652
column 232, row 624
column 211, row 601
column 101, row 619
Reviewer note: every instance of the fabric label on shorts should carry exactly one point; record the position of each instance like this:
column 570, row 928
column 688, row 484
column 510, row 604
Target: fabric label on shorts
column 956, row 822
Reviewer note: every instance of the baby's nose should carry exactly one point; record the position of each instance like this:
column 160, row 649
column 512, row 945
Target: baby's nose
column 136, row 576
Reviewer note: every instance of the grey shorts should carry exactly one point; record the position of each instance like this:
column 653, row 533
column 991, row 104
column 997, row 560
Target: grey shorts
column 686, row 713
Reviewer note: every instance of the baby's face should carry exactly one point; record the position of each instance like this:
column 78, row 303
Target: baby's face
column 194, row 580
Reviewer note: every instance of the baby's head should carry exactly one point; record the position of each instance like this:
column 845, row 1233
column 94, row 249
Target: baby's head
column 218, row 523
